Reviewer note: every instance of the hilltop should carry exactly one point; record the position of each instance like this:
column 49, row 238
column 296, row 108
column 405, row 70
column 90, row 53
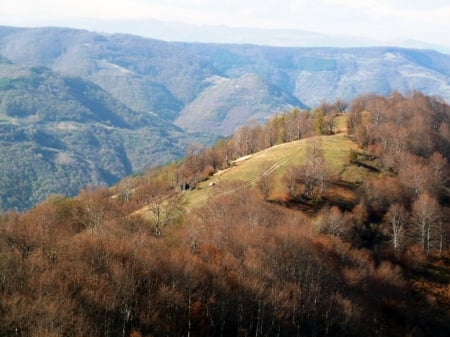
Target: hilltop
column 318, row 222
column 273, row 163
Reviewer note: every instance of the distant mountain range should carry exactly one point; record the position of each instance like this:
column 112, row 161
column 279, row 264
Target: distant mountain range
column 176, row 31
column 78, row 107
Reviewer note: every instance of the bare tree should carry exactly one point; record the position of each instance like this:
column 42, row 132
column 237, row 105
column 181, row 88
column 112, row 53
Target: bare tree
column 341, row 105
column 332, row 222
column 93, row 207
column 414, row 174
column 166, row 210
column 265, row 181
column 290, row 181
column 439, row 172
column 313, row 173
column 426, row 215
column 396, row 219
column 265, row 185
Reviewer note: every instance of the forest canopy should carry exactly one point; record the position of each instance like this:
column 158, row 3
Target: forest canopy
column 351, row 240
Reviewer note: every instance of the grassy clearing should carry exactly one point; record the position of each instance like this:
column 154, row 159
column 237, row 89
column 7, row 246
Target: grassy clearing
column 276, row 161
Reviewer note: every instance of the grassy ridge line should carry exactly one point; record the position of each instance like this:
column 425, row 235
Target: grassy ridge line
column 247, row 171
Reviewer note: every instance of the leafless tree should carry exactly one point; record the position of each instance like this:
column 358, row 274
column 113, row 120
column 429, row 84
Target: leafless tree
column 426, row 215
column 166, row 210
column 396, row 220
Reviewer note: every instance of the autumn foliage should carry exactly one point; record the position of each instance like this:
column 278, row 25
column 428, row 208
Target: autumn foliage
column 244, row 264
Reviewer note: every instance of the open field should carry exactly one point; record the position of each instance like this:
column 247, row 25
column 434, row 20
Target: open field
column 275, row 161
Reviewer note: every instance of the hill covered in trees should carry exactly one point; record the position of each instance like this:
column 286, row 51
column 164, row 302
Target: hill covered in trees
column 324, row 222
column 60, row 133
column 130, row 102
column 167, row 78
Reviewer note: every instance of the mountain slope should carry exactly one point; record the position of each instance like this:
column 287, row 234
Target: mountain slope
column 58, row 134
column 313, row 75
column 166, row 77
column 103, row 59
column 221, row 107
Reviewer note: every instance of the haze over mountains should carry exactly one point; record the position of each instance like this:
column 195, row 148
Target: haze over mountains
column 79, row 107
column 177, row 31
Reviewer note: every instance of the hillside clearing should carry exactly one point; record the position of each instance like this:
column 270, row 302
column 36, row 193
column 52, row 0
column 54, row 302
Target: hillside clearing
column 275, row 161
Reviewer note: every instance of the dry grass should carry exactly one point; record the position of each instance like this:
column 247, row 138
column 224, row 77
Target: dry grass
column 275, row 161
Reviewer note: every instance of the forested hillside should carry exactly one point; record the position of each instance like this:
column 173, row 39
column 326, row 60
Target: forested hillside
column 332, row 221
column 168, row 78
column 58, row 134
column 130, row 102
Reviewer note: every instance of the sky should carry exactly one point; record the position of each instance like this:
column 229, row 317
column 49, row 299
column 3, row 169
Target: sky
column 384, row 20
